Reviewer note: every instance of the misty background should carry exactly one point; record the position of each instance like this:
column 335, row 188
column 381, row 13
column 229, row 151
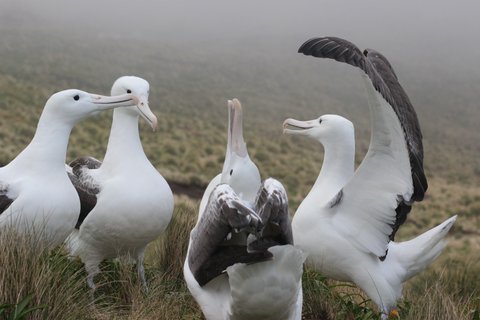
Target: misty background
column 197, row 54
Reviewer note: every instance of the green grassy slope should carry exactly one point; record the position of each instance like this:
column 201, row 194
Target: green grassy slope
column 190, row 83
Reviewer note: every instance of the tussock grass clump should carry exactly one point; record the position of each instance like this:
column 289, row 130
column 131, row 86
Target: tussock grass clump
column 452, row 292
column 57, row 284
column 54, row 282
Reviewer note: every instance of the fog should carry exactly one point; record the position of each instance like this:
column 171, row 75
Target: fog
column 210, row 50
column 413, row 28
column 438, row 38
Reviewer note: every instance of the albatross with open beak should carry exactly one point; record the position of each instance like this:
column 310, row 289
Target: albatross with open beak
column 347, row 222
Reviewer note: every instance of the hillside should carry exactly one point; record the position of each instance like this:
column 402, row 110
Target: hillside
column 191, row 82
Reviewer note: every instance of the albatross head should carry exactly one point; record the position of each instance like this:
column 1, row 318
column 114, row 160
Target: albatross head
column 325, row 129
column 73, row 105
column 239, row 172
column 140, row 88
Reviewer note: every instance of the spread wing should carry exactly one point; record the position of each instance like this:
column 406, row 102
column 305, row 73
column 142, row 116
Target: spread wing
column 85, row 184
column 211, row 252
column 373, row 205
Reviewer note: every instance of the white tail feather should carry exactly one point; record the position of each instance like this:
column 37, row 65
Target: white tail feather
column 415, row 255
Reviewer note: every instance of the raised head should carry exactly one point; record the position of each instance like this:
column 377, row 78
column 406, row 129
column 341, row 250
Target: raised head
column 238, row 170
column 141, row 89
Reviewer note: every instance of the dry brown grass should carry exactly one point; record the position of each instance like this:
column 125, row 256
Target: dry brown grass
column 58, row 283
column 450, row 290
column 447, row 290
column 28, row 268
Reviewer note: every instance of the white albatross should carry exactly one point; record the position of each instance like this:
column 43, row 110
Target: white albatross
column 240, row 261
column 36, row 195
column 126, row 203
column 347, row 222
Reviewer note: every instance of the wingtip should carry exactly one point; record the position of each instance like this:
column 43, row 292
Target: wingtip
column 306, row 47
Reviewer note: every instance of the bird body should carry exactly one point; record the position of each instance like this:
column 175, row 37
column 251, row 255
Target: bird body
column 36, row 195
column 347, row 223
column 254, row 291
column 118, row 224
column 241, row 263
column 126, row 203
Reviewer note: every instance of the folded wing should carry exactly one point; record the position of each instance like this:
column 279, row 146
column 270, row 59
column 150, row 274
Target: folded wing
column 85, row 184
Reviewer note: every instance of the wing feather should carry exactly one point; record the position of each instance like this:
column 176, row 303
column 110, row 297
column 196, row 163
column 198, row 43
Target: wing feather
column 272, row 206
column 85, row 185
column 210, row 254
column 378, row 198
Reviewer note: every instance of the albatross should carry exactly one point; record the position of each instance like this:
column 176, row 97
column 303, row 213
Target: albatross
column 240, row 261
column 348, row 221
column 36, row 195
column 125, row 201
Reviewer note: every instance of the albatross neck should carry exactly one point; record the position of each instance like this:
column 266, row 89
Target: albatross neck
column 48, row 148
column 124, row 144
column 337, row 169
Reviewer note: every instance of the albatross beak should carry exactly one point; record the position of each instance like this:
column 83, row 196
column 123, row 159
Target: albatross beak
column 292, row 126
column 236, row 144
column 105, row 102
column 146, row 113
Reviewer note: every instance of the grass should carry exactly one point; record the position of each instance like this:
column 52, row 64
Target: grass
column 447, row 290
column 54, row 282
column 57, row 284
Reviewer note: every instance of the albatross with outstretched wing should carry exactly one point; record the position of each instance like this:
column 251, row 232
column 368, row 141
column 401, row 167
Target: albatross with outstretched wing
column 347, row 222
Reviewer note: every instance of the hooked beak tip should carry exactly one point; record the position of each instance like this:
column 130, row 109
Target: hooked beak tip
column 154, row 125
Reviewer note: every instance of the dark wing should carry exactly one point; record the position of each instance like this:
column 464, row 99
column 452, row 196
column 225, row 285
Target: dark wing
column 86, row 188
column 408, row 119
column 389, row 95
column 272, row 207
column 210, row 252
column 385, row 82
column 5, row 201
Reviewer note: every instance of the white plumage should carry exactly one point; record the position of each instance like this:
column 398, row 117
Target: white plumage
column 263, row 290
column 132, row 203
column 347, row 221
column 36, row 195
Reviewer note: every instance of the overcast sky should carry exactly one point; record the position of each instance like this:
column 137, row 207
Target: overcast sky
column 430, row 31
column 431, row 43
column 440, row 20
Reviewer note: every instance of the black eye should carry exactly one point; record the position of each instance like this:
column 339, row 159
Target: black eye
column 320, row 121
column 76, row 97
column 129, row 91
column 231, row 171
